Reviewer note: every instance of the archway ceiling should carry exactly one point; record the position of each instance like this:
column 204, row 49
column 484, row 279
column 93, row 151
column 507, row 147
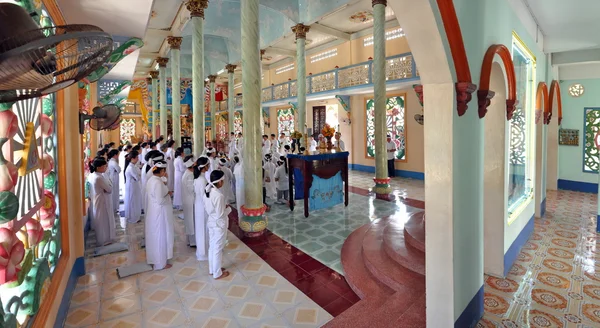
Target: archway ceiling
column 222, row 30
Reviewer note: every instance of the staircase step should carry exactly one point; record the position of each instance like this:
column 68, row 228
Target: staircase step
column 400, row 251
column 394, row 275
column 357, row 275
column 414, row 231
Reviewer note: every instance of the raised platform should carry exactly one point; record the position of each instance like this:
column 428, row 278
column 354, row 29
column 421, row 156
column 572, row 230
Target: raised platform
column 384, row 263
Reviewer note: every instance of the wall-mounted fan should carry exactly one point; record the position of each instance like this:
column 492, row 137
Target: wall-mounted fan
column 102, row 118
column 38, row 61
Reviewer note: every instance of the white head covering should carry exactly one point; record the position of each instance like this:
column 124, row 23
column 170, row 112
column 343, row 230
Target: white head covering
column 189, row 163
column 212, row 184
column 207, row 162
column 222, row 162
column 210, row 150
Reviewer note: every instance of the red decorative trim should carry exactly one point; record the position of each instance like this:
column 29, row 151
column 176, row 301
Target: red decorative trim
column 511, row 106
column 555, row 88
column 455, row 40
column 542, row 96
column 382, row 181
column 253, row 211
column 483, row 95
column 419, row 90
column 463, row 96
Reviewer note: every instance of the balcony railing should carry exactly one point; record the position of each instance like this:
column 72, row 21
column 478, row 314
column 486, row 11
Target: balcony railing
column 398, row 68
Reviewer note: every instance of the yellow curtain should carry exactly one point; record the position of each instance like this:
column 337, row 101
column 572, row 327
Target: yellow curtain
column 137, row 96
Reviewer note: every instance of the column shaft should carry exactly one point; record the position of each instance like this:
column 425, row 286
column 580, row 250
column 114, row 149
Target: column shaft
column 252, row 221
column 175, row 96
column 379, row 89
column 163, row 101
column 230, row 100
column 154, row 108
column 198, row 84
column 301, row 84
column 213, row 111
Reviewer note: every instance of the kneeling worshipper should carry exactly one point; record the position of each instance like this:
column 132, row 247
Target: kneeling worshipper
column 159, row 230
column 103, row 215
column 218, row 220
column 133, row 188
column 187, row 189
column 200, row 216
column 227, row 189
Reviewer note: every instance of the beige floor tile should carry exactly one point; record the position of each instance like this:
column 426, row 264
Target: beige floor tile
column 83, row 316
column 121, row 306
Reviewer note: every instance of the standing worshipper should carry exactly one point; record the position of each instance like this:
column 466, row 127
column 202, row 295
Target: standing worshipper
column 238, row 173
column 113, row 173
column 159, row 231
column 313, row 144
column 282, row 142
column 227, row 189
column 239, row 144
column 391, row 156
column 266, row 145
column 271, row 185
column 231, row 145
column 159, row 142
column 145, row 150
column 218, row 211
column 179, row 170
column 187, row 189
column 151, row 157
column 211, row 153
column 170, row 157
column 200, row 216
column 122, row 160
column 274, row 144
column 282, row 180
column 103, row 215
column 339, row 143
column 133, row 188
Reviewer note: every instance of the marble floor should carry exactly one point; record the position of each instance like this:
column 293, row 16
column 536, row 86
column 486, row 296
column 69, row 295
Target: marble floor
column 554, row 283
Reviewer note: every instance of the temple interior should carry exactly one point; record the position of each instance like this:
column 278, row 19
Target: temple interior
column 409, row 204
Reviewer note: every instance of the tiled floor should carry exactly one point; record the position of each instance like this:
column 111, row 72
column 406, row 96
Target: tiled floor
column 255, row 295
column 556, row 279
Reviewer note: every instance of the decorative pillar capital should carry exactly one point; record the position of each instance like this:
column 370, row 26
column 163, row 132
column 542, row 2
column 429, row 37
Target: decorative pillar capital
column 175, row 42
column 379, row 2
column 300, row 30
column 162, row 61
column 148, row 80
column 230, row 68
column 212, row 78
column 154, row 74
column 262, row 53
column 205, row 83
column 484, row 99
column 463, row 96
column 196, row 7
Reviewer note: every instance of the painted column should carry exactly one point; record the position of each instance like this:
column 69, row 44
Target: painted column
column 301, row 31
column 230, row 94
column 175, row 44
column 154, row 75
column 252, row 221
column 196, row 8
column 382, row 181
column 162, row 69
column 213, row 108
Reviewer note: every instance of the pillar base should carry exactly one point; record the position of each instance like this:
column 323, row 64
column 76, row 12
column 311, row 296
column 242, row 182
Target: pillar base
column 253, row 222
column 382, row 186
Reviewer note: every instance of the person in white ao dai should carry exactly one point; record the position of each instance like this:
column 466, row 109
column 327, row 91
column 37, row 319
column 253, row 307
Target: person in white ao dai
column 159, row 230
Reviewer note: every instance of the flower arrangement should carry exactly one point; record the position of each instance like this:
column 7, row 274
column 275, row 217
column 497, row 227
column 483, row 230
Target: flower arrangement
column 328, row 131
column 296, row 135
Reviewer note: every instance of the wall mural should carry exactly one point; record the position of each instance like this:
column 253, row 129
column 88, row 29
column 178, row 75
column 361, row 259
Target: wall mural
column 118, row 54
column 591, row 157
column 30, row 241
column 396, row 125
column 238, row 123
column 285, row 121
column 222, row 126
column 127, row 130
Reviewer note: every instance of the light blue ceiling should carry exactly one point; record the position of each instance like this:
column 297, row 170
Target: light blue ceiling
column 222, row 28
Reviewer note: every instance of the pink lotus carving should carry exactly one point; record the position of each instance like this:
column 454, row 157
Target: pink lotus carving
column 35, row 232
column 47, row 164
column 8, row 175
column 8, row 124
column 48, row 209
column 47, row 125
column 12, row 252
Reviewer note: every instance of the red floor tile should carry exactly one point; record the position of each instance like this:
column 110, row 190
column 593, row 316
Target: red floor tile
column 340, row 286
column 308, row 285
column 294, row 274
column 351, row 296
column 338, row 306
column 312, row 266
column 324, row 296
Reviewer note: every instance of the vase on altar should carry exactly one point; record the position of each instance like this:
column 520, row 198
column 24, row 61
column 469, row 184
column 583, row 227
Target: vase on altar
column 329, row 144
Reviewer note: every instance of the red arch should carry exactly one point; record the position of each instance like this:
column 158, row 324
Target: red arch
column 542, row 96
column 555, row 88
column 485, row 95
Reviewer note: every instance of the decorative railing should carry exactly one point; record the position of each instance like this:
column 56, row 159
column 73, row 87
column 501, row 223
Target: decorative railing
column 399, row 67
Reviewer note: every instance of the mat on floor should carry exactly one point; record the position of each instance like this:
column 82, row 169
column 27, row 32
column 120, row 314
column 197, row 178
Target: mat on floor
column 130, row 270
column 112, row 248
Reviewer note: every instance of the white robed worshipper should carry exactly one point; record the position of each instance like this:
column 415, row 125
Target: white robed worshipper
column 274, row 144
column 114, row 170
column 227, row 189
column 151, row 157
column 159, row 230
column 238, row 173
column 211, row 153
column 187, row 188
column 133, row 188
column 239, row 143
column 312, row 147
column 145, row 150
column 231, row 145
column 200, row 216
column 218, row 211
column 266, row 145
column 282, row 142
column 122, row 156
column 339, row 143
column 179, row 170
column 271, row 186
column 169, row 158
column 103, row 216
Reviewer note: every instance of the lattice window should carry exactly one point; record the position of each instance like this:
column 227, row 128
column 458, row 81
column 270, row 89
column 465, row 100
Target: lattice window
column 238, row 123
column 285, row 121
column 591, row 157
column 396, row 125
column 127, row 129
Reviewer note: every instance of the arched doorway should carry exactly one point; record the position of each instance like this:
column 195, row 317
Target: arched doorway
column 542, row 108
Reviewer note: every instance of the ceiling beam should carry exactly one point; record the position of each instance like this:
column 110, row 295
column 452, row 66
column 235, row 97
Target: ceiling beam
column 576, row 56
column 579, row 71
column 330, row 31
column 280, row 51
